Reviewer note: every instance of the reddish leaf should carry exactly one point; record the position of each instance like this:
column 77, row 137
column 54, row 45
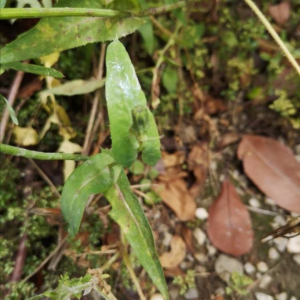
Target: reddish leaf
column 273, row 168
column 229, row 223
column 280, row 12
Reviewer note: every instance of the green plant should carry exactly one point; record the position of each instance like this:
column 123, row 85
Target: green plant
column 185, row 282
column 238, row 284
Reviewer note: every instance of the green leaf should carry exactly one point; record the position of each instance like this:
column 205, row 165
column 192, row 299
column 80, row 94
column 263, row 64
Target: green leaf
column 34, row 69
column 10, row 110
column 127, row 212
column 76, row 87
column 170, row 79
column 55, row 34
column 2, row 3
column 94, row 176
column 146, row 31
column 126, row 102
column 137, row 168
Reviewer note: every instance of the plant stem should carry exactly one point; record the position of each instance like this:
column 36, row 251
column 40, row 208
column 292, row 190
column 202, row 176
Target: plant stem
column 25, row 13
column 7, row 149
column 274, row 34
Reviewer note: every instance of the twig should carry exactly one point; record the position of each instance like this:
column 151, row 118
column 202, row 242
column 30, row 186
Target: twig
column 262, row 211
column 87, row 141
column 7, row 149
column 46, row 260
column 274, row 34
column 46, row 178
column 11, row 99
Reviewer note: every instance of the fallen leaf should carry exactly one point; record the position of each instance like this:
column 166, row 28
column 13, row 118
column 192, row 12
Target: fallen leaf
column 229, row 223
column 174, row 159
column 228, row 139
column 25, row 136
column 173, row 258
column 175, row 194
column 280, row 12
column 198, row 161
column 273, row 168
column 30, row 88
column 187, row 235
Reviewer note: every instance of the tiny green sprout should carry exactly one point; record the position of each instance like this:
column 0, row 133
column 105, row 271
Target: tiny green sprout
column 238, row 283
column 185, row 282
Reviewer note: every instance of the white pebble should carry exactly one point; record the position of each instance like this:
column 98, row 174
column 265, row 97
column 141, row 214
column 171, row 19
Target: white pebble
column 296, row 258
column 279, row 221
column 265, row 281
column 157, row 297
column 191, row 294
column 270, row 201
column 226, row 265
column 293, row 298
column 199, row 236
column 262, row 266
column 213, row 165
column 280, row 243
column 211, row 250
column 273, row 254
column 293, row 245
column 201, row 213
column 249, row 268
column 254, row 202
column 281, row 296
column 167, row 239
column 263, row 296
column 201, row 257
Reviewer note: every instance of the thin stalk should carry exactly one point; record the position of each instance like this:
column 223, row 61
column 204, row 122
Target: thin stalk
column 274, row 34
column 11, row 150
column 25, row 13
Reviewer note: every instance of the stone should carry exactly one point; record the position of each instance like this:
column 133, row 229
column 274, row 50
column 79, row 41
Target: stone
column 281, row 296
column 262, row 267
column 249, row 268
column 211, row 250
column 226, row 265
column 201, row 257
column 263, row 296
column 191, row 294
column 293, row 245
column 273, row 254
column 281, row 244
column 157, row 297
column 254, row 203
column 201, row 213
column 199, row 236
column 265, row 281
column 296, row 258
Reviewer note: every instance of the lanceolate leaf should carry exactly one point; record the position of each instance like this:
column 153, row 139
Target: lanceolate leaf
column 273, row 168
column 126, row 103
column 34, row 69
column 94, row 176
column 229, row 223
column 127, row 212
column 10, row 110
column 55, row 34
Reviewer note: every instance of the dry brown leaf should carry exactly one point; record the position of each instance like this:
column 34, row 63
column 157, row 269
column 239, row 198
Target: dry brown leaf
column 198, row 162
column 280, row 12
column 187, row 235
column 228, row 138
column 174, row 159
column 273, row 168
column 229, row 223
column 175, row 194
column 173, row 258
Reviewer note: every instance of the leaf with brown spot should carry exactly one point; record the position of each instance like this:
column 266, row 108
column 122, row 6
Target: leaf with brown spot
column 229, row 223
column 273, row 168
column 280, row 12
column 173, row 258
column 175, row 194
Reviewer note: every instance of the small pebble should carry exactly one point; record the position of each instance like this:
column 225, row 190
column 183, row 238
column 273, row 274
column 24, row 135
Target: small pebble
column 270, row 201
column 213, row 165
column 273, row 254
column 263, row 296
column 254, row 202
column 262, row 266
column 222, row 177
column 191, row 294
column 265, row 281
column 249, row 268
column 211, row 250
column 226, row 265
column 280, row 244
column 201, row 257
column 296, row 258
column 279, row 221
column 293, row 245
column 293, row 298
column 199, row 236
column 201, row 213
column 167, row 239
column 157, row 297
column 281, row 296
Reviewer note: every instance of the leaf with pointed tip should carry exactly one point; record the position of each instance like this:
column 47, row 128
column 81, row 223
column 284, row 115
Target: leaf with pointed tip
column 34, row 69
column 229, row 223
column 94, row 176
column 127, row 212
column 10, row 110
column 123, row 96
column 273, row 168
column 55, row 34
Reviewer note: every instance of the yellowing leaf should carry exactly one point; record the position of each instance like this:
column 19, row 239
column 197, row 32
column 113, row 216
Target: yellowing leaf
column 50, row 60
column 25, row 136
